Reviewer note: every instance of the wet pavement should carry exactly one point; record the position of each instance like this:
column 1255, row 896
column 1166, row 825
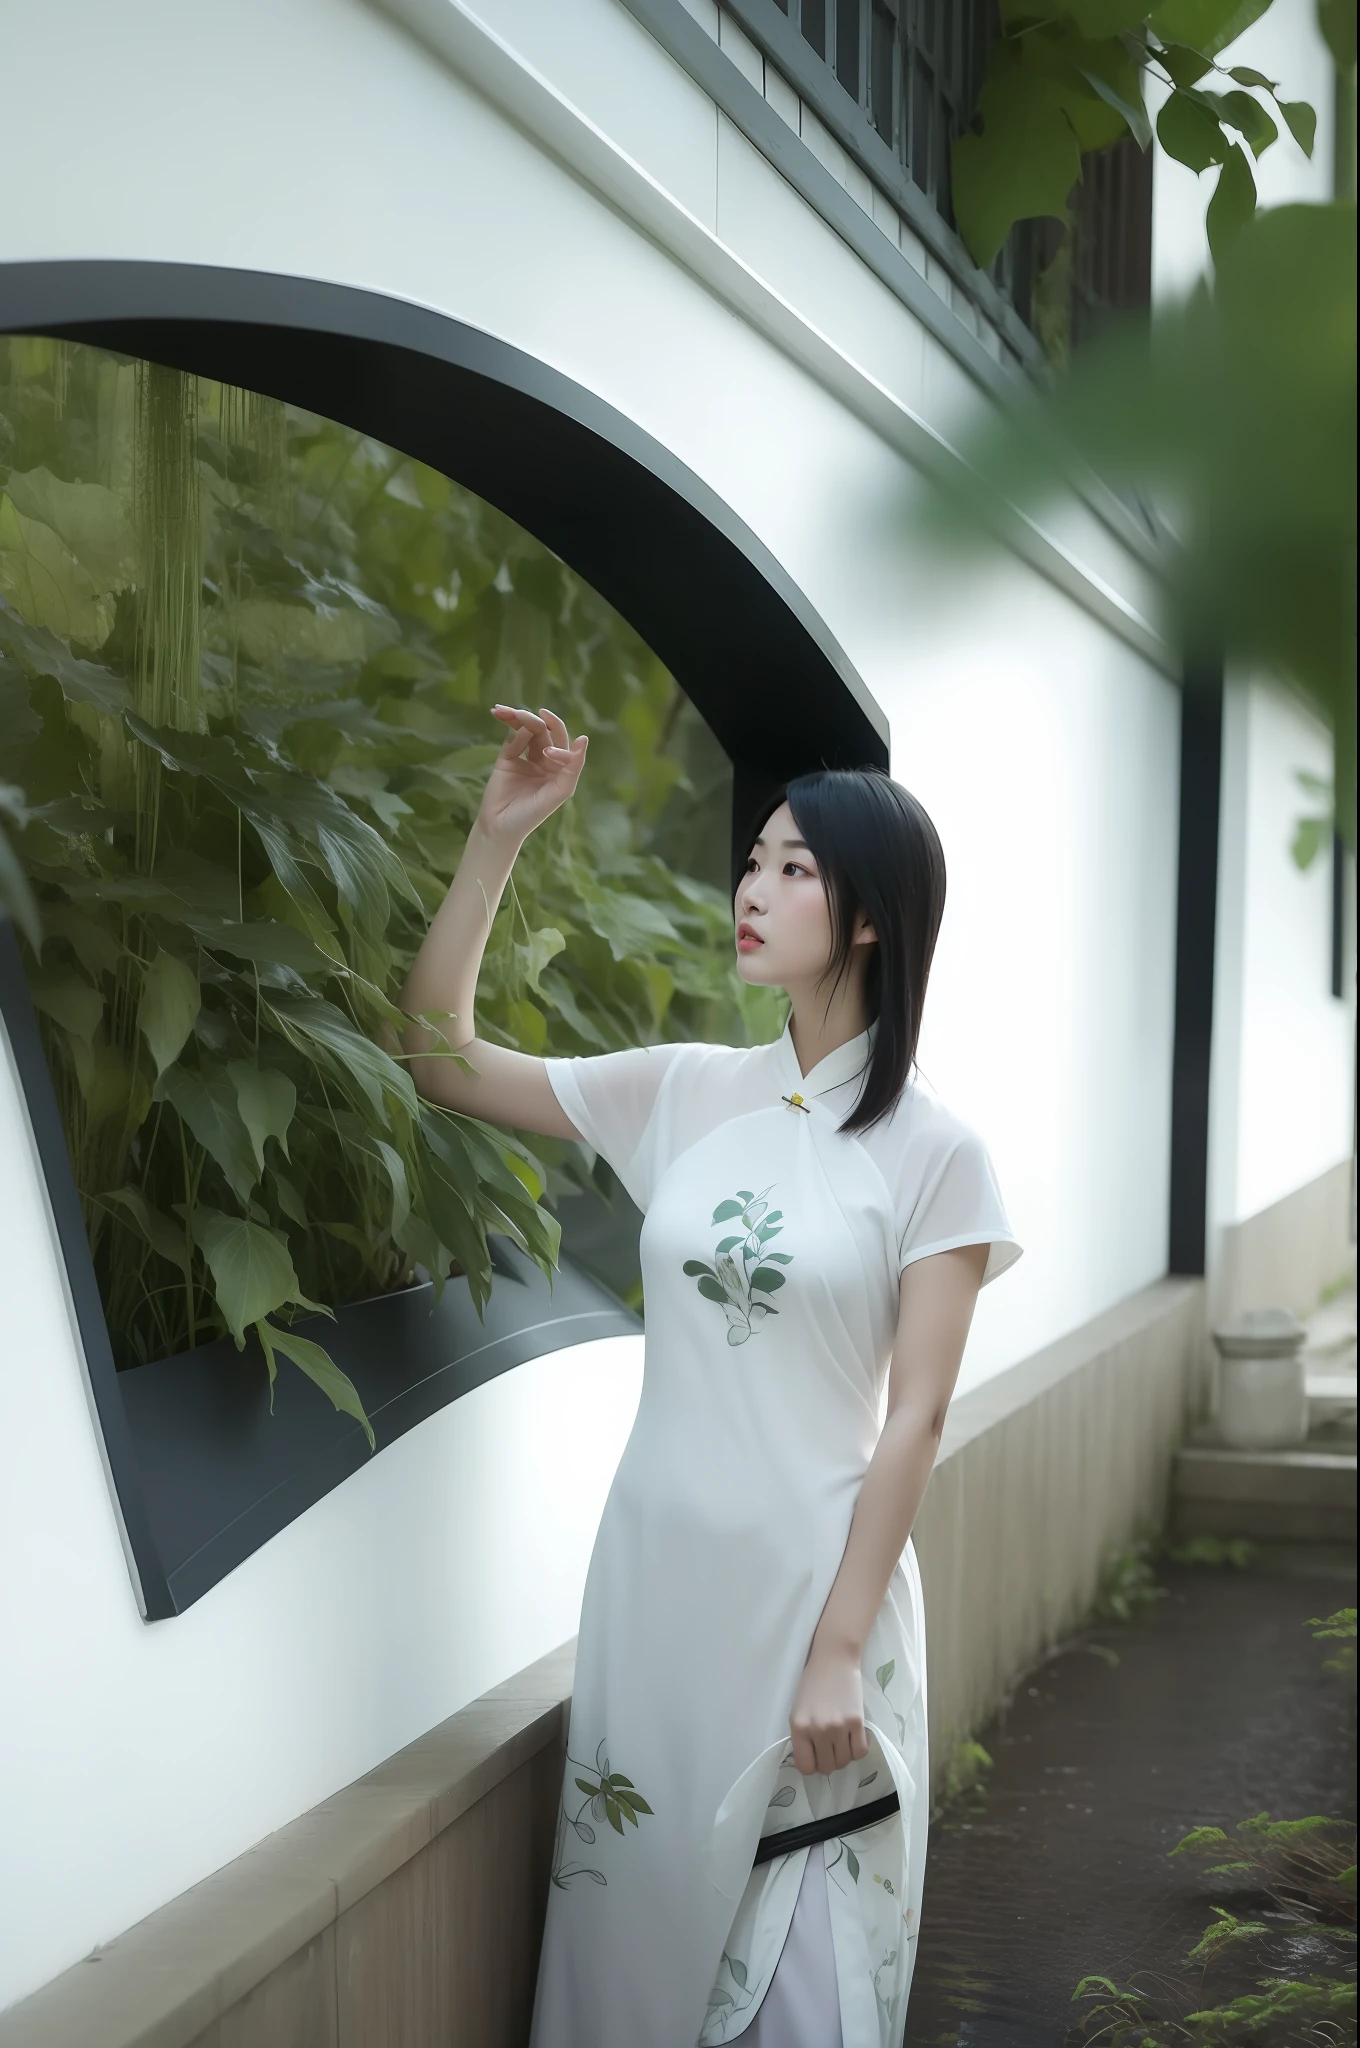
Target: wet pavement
column 1209, row 1707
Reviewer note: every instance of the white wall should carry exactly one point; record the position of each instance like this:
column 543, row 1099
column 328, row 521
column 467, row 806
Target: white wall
column 705, row 301
column 1284, row 1046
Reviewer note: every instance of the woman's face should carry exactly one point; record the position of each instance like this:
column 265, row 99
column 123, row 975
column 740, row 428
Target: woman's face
column 783, row 920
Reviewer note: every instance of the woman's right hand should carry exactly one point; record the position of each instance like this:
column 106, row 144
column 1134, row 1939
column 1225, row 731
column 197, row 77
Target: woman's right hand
column 535, row 772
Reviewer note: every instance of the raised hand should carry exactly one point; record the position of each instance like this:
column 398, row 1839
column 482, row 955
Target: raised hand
column 535, row 772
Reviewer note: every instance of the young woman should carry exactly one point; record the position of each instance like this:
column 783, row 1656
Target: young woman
column 751, row 1658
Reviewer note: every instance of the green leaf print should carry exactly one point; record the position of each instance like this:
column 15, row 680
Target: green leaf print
column 610, row 1796
column 884, row 1676
column 852, row 1862
column 742, row 1290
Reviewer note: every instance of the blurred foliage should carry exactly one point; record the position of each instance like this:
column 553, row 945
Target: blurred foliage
column 1127, row 1582
column 1065, row 83
column 246, row 660
column 1337, row 1627
column 1235, row 412
column 1215, row 1553
column 1285, row 1945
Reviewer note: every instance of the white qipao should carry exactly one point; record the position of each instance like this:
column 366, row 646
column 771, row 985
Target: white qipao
column 771, row 1252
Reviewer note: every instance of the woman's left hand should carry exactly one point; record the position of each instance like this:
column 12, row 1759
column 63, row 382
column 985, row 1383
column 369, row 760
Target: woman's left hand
column 827, row 1722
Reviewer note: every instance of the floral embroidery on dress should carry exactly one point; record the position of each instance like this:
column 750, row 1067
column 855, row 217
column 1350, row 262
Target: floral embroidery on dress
column 610, row 1796
column 740, row 1290
column 723, row 2005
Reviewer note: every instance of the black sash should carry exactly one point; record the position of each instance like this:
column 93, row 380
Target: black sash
column 832, row 1824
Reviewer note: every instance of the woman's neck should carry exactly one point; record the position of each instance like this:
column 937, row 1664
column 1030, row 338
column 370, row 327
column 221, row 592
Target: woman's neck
column 817, row 1027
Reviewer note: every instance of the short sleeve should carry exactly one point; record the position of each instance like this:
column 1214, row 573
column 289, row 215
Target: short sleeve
column 612, row 1099
column 959, row 1203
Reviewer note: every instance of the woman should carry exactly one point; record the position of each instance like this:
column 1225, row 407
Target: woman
column 751, row 1657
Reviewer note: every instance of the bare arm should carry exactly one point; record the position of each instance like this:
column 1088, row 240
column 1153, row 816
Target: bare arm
column 936, row 1298
column 536, row 770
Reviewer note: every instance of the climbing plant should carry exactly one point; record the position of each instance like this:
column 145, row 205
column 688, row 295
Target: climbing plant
column 246, row 660
column 1067, row 82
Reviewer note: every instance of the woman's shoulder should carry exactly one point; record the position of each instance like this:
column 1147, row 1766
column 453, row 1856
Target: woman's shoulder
column 922, row 1124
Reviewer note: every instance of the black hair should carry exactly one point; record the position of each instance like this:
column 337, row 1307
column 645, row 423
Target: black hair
column 879, row 853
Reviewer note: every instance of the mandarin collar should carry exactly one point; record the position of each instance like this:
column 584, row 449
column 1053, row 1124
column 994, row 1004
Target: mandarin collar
column 845, row 1063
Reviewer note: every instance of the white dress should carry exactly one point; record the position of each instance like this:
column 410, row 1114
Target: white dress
column 771, row 1250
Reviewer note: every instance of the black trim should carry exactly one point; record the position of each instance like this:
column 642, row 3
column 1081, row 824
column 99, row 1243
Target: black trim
column 202, row 1472
column 829, row 1828
column 1338, row 983
column 1196, row 914
column 703, row 591
column 816, row 83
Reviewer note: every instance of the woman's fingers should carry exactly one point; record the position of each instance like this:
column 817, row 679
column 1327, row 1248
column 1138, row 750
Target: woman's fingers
column 544, row 736
column 829, row 1747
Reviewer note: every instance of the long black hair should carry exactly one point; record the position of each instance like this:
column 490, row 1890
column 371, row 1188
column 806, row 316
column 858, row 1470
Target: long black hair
column 879, row 853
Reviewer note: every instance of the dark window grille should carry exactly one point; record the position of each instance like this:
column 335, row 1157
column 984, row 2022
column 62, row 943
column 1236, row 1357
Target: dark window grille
column 914, row 69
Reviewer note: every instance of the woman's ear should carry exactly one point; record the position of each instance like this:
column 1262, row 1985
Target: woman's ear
column 864, row 933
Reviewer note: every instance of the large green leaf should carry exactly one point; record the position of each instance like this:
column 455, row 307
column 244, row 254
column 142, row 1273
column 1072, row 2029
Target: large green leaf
column 154, row 1226
column 43, row 580
column 1206, row 25
column 168, row 1008
column 1189, row 131
column 67, row 1000
column 1241, row 112
column 41, row 653
column 316, row 1026
column 208, row 1106
column 252, row 1270
column 267, row 1101
column 1233, row 203
column 90, row 519
column 1301, row 121
column 267, row 945
column 318, row 1365
column 1021, row 165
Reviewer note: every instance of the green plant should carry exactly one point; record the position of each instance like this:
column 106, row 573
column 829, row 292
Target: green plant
column 968, row 1763
column 1293, row 1883
column 1066, row 82
column 1333, row 1626
column 246, row 656
column 1127, row 1584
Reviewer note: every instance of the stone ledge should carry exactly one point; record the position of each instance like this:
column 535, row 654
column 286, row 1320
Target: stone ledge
column 1323, row 1478
column 166, row 1980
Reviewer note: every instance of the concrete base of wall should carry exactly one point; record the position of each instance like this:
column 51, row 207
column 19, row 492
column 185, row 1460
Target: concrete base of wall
column 1286, row 1256
column 406, row 1912
column 1271, row 1496
column 1041, row 1473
